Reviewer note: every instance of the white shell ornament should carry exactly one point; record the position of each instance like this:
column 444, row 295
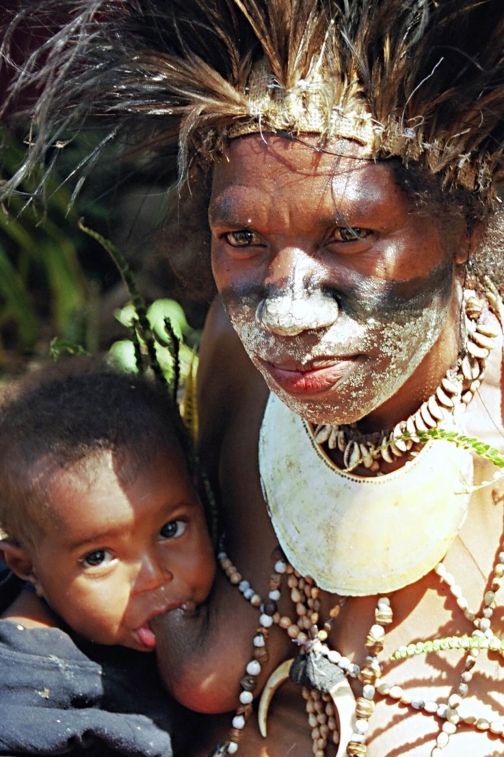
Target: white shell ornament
column 359, row 536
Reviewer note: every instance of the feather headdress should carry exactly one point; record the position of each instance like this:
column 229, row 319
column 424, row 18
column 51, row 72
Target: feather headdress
column 419, row 79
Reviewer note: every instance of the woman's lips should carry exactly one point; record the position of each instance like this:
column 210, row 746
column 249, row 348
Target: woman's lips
column 312, row 379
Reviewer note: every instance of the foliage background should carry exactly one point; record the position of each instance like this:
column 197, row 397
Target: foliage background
column 56, row 283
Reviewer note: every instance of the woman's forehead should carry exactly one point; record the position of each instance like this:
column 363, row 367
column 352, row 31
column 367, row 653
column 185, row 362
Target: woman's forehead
column 261, row 170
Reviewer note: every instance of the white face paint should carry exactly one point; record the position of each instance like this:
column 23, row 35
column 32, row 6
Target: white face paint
column 339, row 373
column 338, row 315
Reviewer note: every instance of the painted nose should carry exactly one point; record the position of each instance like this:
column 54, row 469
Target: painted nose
column 291, row 312
column 152, row 576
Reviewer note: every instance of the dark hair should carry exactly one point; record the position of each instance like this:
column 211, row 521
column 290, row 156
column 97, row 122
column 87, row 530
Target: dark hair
column 69, row 413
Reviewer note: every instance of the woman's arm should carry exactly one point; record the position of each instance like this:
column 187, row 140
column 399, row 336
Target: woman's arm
column 203, row 655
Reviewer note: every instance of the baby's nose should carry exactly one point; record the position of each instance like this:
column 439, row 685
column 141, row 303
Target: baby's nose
column 152, row 575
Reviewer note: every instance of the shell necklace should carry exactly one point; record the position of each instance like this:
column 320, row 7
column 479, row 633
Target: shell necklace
column 457, row 387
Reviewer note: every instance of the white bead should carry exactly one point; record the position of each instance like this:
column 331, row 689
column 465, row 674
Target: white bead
column 417, row 704
column 243, row 586
column 442, row 739
column 221, row 556
column 456, row 591
column 361, row 726
column 489, row 597
column 248, row 593
column 431, row 707
column 497, row 727
column 265, row 620
column 333, row 656
column 357, row 737
column 274, row 595
column 232, row 747
column 383, row 602
column 396, row 692
column 238, row 722
column 442, row 711
column 259, row 640
column 344, row 663
column 449, row 578
column 441, row 570
column 246, row 697
column 368, row 691
column 280, row 566
column 377, row 632
column 253, row 668
column 354, row 670
column 484, row 624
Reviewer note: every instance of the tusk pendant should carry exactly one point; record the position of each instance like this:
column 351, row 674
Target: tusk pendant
column 276, row 679
column 340, row 692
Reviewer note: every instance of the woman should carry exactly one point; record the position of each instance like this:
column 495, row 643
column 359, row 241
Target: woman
column 351, row 154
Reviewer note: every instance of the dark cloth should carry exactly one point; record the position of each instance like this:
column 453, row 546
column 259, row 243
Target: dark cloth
column 64, row 695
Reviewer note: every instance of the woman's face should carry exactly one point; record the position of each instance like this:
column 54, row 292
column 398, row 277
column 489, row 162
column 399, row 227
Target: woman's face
column 342, row 293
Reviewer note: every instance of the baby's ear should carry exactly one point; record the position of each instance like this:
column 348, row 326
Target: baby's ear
column 17, row 560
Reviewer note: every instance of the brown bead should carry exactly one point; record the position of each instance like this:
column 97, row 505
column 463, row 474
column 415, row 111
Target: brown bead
column 276, row 618
column 245, row 709
column 334, row 611
column 235, row 578
column 235, row 734
column 301, row 583
column 292, row 581
column 300, row 609
column 296, row 595
column 261, row 654
column 370, row 673
column 324, row 731
column 356, row 749
column 322, row 634
column 226, row 564
column 249, row 683
column 275, row 580
column 364, row 708
column 285, row 622
column 375, row 647
column 305, row 623
column 384, row 616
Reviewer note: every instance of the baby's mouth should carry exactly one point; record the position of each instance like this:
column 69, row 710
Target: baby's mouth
column 146, row 636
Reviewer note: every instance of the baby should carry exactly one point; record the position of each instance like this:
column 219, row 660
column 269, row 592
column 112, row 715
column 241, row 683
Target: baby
column 103, row 531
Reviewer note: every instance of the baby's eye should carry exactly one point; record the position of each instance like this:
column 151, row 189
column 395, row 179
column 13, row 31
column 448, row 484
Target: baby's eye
column 242, row 238
column 351, row 233
column 99, row 557
column 173, row 529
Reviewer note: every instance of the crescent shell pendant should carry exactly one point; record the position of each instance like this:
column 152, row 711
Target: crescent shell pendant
column 341, row 695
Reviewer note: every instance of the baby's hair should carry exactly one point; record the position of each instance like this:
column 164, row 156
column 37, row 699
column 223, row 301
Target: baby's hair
column 70, row 413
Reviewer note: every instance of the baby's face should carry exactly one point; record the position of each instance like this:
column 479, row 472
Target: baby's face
column 121, row 550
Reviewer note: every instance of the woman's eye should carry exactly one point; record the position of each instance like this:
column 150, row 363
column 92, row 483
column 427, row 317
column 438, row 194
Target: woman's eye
column 351, row 233
column 99, row 557
column 173, row 529
column 243, row 238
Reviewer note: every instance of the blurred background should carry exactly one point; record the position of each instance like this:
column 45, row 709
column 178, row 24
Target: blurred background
column 59, row 288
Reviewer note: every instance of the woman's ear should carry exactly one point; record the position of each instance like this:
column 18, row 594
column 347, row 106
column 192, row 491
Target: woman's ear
column 469, row 244
column 18, row 561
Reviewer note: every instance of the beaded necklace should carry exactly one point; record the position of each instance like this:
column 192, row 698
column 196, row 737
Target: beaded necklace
column 331, row 724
